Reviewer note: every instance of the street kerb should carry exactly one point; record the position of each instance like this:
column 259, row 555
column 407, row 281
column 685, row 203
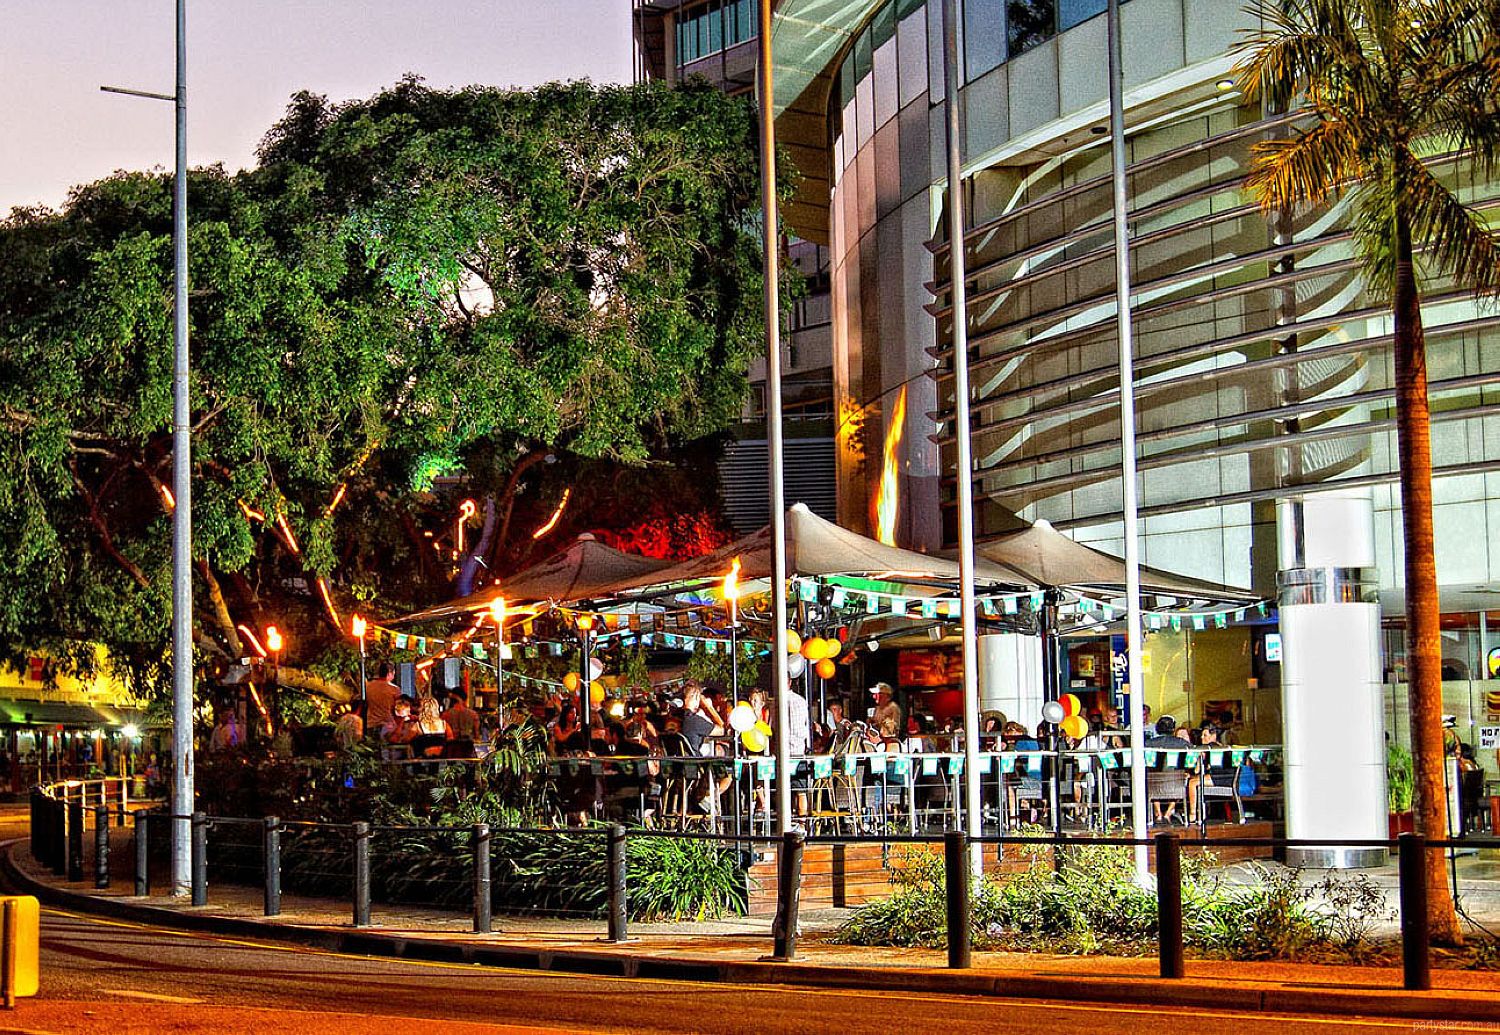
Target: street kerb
column 1443, row 1004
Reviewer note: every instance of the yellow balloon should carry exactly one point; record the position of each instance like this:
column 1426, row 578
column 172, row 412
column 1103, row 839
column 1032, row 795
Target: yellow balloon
column 832, row 647
column 1071, row 704
column 597, row 692
column 812, row 648
column 763, row 727
column 571, row 681
column 793, row 641
column 753, row 739
column 1075, row 726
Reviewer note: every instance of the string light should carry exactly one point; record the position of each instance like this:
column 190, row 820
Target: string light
column 557, row 514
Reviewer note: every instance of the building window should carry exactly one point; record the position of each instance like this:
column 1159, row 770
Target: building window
column 984, row 36
column 714, row 27
column 1030, row 22
column 1075, row 12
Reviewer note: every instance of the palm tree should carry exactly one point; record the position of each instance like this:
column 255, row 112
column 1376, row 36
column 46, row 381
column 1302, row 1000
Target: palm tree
column 1384, row 83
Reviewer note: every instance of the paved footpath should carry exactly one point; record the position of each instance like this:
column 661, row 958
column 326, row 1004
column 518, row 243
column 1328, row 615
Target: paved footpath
column 735, row 951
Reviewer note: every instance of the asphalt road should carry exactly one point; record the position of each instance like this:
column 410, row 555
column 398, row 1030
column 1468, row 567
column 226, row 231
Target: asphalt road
column 104, row 975
column 108, row 976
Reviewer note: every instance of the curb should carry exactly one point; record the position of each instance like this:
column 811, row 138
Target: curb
column 1438, row 1004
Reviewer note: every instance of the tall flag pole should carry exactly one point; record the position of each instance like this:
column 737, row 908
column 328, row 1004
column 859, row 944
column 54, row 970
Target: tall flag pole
column 963, row 477
column 771, row 241
column 1133, row 630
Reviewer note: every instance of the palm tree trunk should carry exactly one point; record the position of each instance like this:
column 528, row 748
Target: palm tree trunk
column 1423, row 650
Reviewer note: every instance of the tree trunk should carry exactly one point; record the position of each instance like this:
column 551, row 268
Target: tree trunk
column 1424, row 676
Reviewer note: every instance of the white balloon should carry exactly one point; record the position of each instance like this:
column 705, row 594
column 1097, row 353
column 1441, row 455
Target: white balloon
column 1053, row 711
column 796, row 664
column 741, row 717
column 596, row 668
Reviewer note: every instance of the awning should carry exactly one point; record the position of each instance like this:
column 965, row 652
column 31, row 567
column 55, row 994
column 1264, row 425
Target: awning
column 72, row 716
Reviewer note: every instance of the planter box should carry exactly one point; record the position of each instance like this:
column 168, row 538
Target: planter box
column 1402, row 823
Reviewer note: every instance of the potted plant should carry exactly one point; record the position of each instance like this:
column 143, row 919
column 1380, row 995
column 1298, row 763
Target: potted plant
column 1400, row 781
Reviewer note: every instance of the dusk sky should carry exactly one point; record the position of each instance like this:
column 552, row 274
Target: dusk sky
column 245, row 59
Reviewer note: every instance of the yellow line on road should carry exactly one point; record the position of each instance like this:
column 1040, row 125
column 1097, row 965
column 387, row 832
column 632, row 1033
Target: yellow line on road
column 1103, row 1007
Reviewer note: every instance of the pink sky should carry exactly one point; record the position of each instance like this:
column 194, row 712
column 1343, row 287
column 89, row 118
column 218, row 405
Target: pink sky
column 245, row 58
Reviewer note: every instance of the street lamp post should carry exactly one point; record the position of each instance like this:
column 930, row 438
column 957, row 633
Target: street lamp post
column 585, row 678
column 497, row 613
column 182, row 509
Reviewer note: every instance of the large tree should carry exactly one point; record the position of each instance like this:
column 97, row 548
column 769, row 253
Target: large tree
column 424, row 287
column 1386, row 86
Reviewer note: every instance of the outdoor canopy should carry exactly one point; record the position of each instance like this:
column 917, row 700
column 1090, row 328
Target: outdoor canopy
column 1047, row 559
column 586, row 570
column 815, row 548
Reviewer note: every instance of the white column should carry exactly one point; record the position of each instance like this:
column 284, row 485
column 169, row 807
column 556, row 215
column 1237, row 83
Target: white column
column 1010, row 677
column 1333, row 723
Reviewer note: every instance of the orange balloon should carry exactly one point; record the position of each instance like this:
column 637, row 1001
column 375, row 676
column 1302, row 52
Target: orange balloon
column 812, row 648
column 571, row 682
column 1075, row 726
column 596, row 692
column 1071, row 704
column 825, row 668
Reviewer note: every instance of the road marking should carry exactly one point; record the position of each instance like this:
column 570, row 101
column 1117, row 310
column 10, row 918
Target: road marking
column 155, row 997
column 1101, row 1007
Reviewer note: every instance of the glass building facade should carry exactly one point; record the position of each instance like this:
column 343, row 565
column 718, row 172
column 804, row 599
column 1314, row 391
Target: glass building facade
column 1264, row 366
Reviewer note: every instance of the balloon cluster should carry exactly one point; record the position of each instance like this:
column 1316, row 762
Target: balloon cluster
column 816, row 650
column 754, row 733
column 1067, row 714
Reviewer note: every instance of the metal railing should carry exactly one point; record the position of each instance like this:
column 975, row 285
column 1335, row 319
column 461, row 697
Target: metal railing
column 58, row 822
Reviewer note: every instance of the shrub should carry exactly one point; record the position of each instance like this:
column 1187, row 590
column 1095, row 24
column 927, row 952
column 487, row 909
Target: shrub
column 1090, row 903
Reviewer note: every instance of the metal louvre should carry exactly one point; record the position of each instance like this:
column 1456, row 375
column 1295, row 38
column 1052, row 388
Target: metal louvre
column 744, row 480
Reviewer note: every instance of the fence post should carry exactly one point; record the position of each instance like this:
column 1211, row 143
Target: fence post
column 75, row 839
column 1416, row 963
column 142, row 856
column 615, row 866
column 788, row 895
column 10, row 919
column 482, row 903
column 1169, row 905
column 361, row 874
column 956, row 872
column 101, row 846
column 273, row 866
column 199, row 825
column 59, row 831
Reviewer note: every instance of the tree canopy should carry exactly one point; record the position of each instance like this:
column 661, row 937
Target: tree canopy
column 413, row 298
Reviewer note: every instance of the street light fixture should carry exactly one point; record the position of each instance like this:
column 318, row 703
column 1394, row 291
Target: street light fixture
column 358, row 626
column 497, row 615
column 182, row 510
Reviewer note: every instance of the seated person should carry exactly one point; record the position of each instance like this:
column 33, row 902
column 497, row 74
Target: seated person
column 430, row 730
column 1213, row 776
column 399, row 728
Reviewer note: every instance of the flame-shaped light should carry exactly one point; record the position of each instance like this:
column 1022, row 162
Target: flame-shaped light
column 732, row 590
column 888, row 496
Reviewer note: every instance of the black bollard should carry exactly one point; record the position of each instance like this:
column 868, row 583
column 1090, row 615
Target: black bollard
column 75, row 840
column 788, row 895
column 273, row 866
column 361, row 874
column 101, row 846
column 1169, row 905
column 615, row 865
column 1416, row 961
column 482, row 901
column 199, row 824
column 142, row 856
column 956, row 872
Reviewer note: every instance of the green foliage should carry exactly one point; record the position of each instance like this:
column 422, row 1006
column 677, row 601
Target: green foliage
column 1090, row 903
column 422, row 282
column 1400, row 778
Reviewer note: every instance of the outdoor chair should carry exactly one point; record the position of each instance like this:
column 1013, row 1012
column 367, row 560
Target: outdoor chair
column 1229, row 795
column 1169, row 785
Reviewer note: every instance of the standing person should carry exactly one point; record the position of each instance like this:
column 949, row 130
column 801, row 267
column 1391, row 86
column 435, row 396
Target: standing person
column 887, row 711
column 380, row 694
column 461, row 719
